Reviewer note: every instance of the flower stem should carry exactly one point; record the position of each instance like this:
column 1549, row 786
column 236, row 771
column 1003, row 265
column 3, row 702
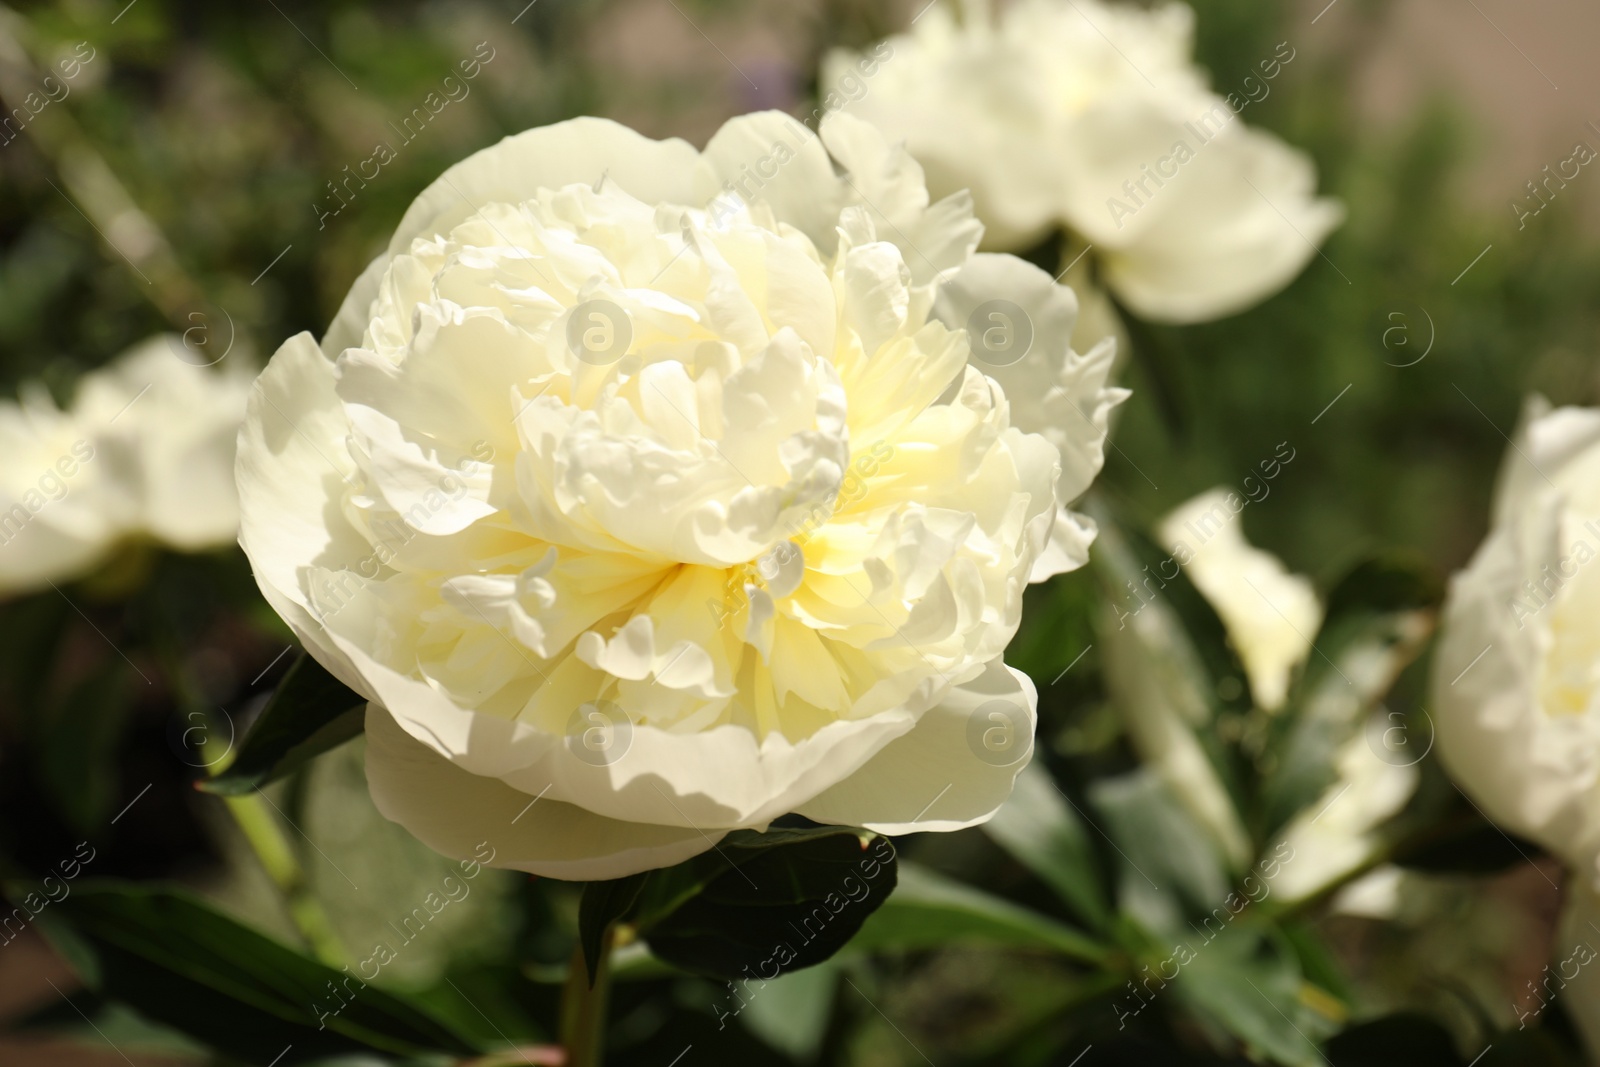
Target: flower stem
column 583, row 1005
column 267, row 841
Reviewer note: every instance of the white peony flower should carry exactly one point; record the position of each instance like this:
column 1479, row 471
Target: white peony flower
column 1093, row 116
column 1270, row 614
column 642, row 494
column 146, row 450
column 1517, row 675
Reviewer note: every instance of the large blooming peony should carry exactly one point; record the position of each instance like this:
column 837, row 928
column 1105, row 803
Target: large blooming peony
column 1093, row 117
column 645, row 496
column 1517, row 677
column 145, row 451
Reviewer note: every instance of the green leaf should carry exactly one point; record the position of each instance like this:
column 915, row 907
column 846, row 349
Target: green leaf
column 1165, row 688
column 77, row 747
column 764, row 904
column 602, row 904
column 1402, row 1040
column 1378, row 619
column 1248, row 983
column 1172, row 869
column 1038, row 827
column 310, row 713
column 1468, row 844
column 929, row 910
column 176, row 960
column 791, row 1014
column 1514, row 1048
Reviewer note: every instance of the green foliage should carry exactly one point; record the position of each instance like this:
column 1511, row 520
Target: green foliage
column 184, row 964
column 756, row 905
column 310, row 712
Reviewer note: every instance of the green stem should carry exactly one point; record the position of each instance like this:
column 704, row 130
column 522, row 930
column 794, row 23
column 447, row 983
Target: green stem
column 266, row 839
column 1397, row 849
column 583, row 1005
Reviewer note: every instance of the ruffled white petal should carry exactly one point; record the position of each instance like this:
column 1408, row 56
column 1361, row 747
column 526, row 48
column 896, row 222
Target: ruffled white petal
column 457, row 813
column 952, row 771
column 292, row 457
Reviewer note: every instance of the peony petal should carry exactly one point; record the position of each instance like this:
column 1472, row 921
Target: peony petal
column 1271, row 615
column 290, row 452
column 457, row 813
column 953, row 771
column 1237, row 224
column 580, row 150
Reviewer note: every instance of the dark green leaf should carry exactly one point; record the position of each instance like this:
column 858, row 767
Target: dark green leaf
column 1248, row 983
column 177, row 961
column 1402, row 1040
column 764, row 904
column 602, row 904
column 1517, row 1048
column 78, row 744
column 311, row 712
column 929, row 910
column 1379, row 617
column 1468, row 846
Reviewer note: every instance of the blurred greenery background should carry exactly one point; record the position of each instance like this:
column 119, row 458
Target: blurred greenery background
column 226, row 124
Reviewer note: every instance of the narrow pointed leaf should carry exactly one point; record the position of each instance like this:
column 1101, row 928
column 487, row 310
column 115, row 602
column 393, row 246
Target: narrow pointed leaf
column 310, row 713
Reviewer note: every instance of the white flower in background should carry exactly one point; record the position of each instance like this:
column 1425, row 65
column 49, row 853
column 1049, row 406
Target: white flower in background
column 1093, row 117
column 1340, row 831
column 1517, row 675
column 1270, row 614
column 643, row 495
column 1271, row 617
column 145, row 450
